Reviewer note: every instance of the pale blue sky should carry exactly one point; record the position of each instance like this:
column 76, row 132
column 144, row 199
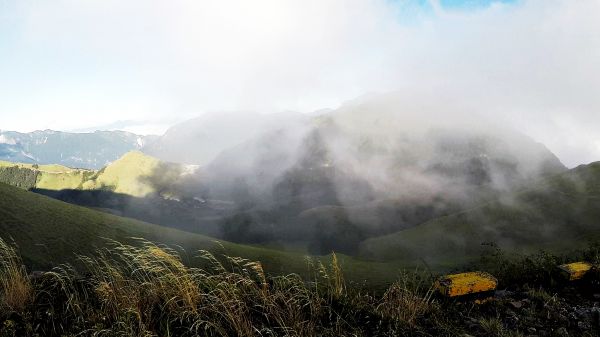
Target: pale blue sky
column 75, row 65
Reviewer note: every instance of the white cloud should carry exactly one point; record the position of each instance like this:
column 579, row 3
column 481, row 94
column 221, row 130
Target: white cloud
column 76, row 64
column 7, row 140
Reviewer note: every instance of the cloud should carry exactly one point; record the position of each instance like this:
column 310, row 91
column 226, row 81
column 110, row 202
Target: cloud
column 7, row 140
column 73, row 64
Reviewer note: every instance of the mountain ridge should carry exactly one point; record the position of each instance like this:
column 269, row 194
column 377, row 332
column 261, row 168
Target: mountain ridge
column 91, row 150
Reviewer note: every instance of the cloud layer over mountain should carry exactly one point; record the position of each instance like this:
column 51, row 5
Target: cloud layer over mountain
column 534, row 64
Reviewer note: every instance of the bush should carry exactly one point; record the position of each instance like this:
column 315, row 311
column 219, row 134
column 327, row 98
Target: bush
column 20, row 177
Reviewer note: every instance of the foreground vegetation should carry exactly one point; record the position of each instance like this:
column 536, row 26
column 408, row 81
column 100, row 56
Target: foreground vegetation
column 147, row 290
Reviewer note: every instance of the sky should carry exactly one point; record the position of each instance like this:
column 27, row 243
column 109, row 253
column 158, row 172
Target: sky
column 142, row 65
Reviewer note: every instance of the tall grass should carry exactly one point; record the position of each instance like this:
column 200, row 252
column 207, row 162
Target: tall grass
column 15, row 288
column 147, row 290
column 408, row 299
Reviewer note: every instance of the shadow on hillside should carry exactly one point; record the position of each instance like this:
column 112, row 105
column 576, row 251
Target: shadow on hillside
column 222, row 220
column 189, row 214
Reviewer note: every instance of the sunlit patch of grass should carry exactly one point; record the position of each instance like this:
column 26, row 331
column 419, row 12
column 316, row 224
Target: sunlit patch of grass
column 15, row 287
column 408, row 299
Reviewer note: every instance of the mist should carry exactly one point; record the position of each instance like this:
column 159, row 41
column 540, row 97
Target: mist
column 378, row 164
column 345, row 117
column 531, row 64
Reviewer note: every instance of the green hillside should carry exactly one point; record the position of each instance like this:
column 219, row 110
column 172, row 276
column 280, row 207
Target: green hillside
column 55, row 168
column 126, row 175
column 557, row 214
column 134, row 174
column 49, row 232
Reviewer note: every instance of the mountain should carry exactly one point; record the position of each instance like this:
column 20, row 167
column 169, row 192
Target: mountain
column 368, row 169
column 330, row 181
column 556, row 214
column 198, row 141
column 555, row 211
column 139, row 175
column 85, row 150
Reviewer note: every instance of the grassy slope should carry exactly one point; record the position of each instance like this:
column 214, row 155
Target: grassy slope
column 49, row 232
column 558, row 214
column 53, row 177
column 60, row 181
column 124, row 175
column 46, row 168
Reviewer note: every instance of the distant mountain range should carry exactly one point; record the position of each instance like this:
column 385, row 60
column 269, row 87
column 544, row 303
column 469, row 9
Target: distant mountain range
column 83, row 150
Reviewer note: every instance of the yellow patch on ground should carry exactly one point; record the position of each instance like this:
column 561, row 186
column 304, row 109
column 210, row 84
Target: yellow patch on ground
column 466, row 283
column 576, row 270
column 60, row 181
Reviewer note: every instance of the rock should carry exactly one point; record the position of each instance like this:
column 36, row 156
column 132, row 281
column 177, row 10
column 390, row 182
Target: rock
column 503, row 293
column 583, row 325
column 516, row 304
column 472, row 326
column 473, row 320
column 562, row 318
column 582, row 312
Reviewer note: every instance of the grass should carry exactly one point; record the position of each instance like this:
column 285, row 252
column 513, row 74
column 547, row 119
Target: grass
column 15, row 286
column 55, row 168
column 125, row 175
column 53, row 177
column 147, row 290
column 49, row 232
column 492, row 326
column 61, row 180
column 556, row 215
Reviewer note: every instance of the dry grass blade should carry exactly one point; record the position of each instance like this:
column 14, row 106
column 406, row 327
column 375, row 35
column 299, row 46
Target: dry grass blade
column 15, row 287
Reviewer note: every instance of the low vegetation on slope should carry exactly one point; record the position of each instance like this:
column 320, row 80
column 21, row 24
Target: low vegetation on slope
column 148, row 291
column 558, row 214
column 50, row 232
